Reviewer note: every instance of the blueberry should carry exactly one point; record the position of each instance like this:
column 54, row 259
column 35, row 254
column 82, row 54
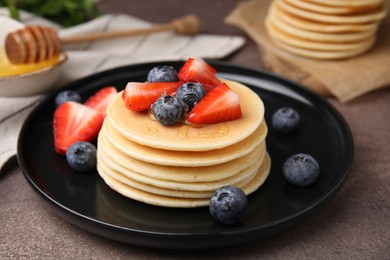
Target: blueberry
column 191, row 93
column 168, row 110
column 81, row 156
column 228, row 205
column 67, row 95
column 286, row 120
column 301, row 169
column 163, row 74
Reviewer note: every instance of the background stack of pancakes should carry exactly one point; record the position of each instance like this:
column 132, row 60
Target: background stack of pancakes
column 182, row 166
column 324, row 29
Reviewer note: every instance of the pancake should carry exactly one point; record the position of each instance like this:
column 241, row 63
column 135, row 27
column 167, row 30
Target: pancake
column 109, row 136
column 365, row 17
column 167, row 201
column 139, row 128
column 350, row 3
column 328, row 8
column 326, row 55
column 291, row 40
column 324, row 30
column 260, row 177
column 308, row 25
column 183, row 174
column 182, row 166
column 323, row 37
column 166, row 191
column 174, row 188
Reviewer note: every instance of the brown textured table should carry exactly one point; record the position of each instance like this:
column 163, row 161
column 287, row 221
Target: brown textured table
column 354, row 225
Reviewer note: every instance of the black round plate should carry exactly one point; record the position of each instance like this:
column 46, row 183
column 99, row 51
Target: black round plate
column 85, row 201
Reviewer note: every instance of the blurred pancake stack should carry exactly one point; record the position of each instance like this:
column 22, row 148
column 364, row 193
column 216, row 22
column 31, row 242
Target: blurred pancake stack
column 324, row 29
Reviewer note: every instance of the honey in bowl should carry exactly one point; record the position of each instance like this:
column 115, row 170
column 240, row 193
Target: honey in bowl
column 8, row 69
column 26, row 79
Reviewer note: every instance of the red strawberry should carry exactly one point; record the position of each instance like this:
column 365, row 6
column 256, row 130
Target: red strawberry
column 74, row 122
column 197, row 70
column 139, row 96
column 219, row 105
column 99, row 101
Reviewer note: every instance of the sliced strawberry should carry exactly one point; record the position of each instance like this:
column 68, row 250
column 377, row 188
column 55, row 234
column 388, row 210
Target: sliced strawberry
column 139, row 96
column 99, row 101
column 219, row 105
column 74, row 122
column 198, row 70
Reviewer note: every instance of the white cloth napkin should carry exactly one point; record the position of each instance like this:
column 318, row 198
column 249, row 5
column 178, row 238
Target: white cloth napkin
column 88, row 58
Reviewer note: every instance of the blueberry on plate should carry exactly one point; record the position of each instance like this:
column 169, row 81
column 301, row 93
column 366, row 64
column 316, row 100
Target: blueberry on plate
column 301, row 169
column 168, row 110
column 190, row 93
column 228, row 205
column 286, row 120
column 81, row 156
column 67, row 95
column 162, row 73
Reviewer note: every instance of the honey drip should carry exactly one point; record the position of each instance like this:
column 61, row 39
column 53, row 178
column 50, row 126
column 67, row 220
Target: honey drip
column 148, row 129
column 187, row 132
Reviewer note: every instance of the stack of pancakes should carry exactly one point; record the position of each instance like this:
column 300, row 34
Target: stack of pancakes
column 182, row 166
column 324, row 29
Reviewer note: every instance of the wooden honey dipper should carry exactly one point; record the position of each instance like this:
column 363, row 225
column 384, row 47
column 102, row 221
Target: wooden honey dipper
column 34, row 43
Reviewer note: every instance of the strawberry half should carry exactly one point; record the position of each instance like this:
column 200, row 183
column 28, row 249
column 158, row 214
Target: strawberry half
column 140, row 96
column 74, row 122
column 219, row 105
column 99, row 101
column 199, row 71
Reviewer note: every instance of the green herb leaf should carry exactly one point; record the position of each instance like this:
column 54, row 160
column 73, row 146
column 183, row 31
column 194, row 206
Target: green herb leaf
column 13, row 11
column 51, row 8
column 65, row 12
